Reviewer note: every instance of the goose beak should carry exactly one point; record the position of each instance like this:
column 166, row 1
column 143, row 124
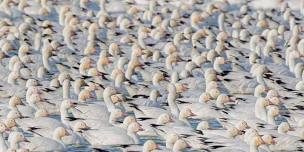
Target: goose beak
column 141, row 129
column 185, row 87
column 26, row 140
column 192, row 114
column 73, row 104
column 273, row 142
column 189, row 146
column 231, row 100
column 124, row 114
column 227, row 62
column 171, row 120
column 67, row 133
column 157, row 147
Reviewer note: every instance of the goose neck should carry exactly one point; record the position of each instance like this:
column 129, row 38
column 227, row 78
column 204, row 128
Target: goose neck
column 3, row 146
column 109, row 103
column 270, row 119
column 134, row 136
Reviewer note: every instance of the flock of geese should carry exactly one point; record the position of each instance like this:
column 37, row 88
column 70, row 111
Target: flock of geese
column 150, row 75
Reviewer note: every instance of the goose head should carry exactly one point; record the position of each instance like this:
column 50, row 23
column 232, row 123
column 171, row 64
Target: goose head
column 195, row 18
column 242, row 125
column 127, row 121
column 284, row 127
column 3, row 128
column 222, row 36
column 59, row 133
column 23, row 49
column 186, row 113
column 180, row 145
column 134, row 128
column 263, row 102
column 157, row 77
column 109, row 91
column 171, row 138
column 119, row 79
column 149, row 146
column 67, row 104
column 222, row 99
column 203, row 125
column 214, row 93
column 232, row 132
column 274, row 100
column 210, row 77
column 114, row 49
column 170, row 48
column 14, row 101
column 13, row 114
column 268, row 139
column 205, row 97
column 86, row 62
column 41, row 113
column 136, row 51
column 259, row 90
column 84, row 95
column 115, row 114
column 181, row 87
column 211, row 55
column 164, row 119
column 118, row 98
column 31, row 82
column 12, row 62
column 78, row 83
column 80, row 126
column 63, row 76
column 15, row 138
column 34, row 98
column 272, row 93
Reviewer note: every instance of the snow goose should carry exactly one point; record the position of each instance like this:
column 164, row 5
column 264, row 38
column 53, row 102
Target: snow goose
column 149, row 146
column 40, row 125
column 106, row 120
column 171, row 100
column 272, row 112
column 283, row 143
column 3, row 145
column 260, row 108
column 15, row 103
column 15, row 139
column 48, row 144
column 180, row 145
column 118, row 136
column 107, row 93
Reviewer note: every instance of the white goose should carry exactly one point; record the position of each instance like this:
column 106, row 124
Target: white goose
column 112, row 135
column 15, row 139
column 47, row 144
column 3, row 145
